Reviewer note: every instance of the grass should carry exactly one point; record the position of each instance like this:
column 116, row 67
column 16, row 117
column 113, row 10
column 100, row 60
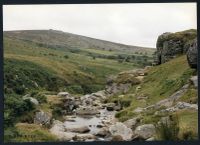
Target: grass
column 160, row 82
column 33, row 133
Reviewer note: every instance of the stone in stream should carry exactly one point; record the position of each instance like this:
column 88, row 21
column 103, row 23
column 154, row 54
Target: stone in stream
column 77, row 128
column 145, row 131
column 121, row 130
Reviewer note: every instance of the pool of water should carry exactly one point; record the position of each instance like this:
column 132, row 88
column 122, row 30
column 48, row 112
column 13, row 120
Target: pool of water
column 93, row 121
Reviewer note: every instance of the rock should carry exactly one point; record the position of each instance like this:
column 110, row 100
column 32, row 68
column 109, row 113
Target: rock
column 84, row 137
column 194, row 81
column 117, row 138
column 139, row 110
column 103, row 132
column 174, row 97
column 69, row 104
column 151, row 139
column 145, row 131
column 42, row 118
column 87, row 111
column 100, row 94
column 110, row 106
column 132, row 123
column 170, row 45
column 63, row 94
column 183, row 105
column 192, row 54
column 121, row 130
column 58, row 129
column 77, row 128
column 33, row 100
column 118, row 88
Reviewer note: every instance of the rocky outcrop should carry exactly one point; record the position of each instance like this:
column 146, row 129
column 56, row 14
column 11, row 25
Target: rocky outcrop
column 192, row 54
column 170, row 45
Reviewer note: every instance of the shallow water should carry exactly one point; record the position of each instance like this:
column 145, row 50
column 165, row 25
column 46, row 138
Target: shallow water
column 93, row 121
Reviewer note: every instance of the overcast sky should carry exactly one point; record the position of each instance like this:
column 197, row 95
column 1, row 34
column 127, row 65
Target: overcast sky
column 133, row 24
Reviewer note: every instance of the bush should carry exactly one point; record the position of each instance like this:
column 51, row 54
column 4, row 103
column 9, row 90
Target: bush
column 66, row 56
column 75, row 89
column 57, row 112
column 168, row 130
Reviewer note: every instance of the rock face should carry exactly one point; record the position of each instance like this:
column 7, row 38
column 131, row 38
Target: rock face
column 145, row 131
column 42, row 118
column 119, row 129
column 192, row 54
column 170, row 45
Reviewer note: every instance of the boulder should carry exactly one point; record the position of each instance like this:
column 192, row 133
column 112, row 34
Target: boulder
column 192, row 54
column 194, row 81
column 103, row 132
column 58, row 129
column 110, row 106
column 84, row 137
column 63, row 94
column 117, row 138
column 121, row 130
column 132, row 123
column 139, row 110
column 42, row 118
column 77, row 128
column 145, row 131
column 33, row 100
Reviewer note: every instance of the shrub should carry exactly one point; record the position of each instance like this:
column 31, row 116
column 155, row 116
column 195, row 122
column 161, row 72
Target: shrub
column 66, row 56
column 168, row 130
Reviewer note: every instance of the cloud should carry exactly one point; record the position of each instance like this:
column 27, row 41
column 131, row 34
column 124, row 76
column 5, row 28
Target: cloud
column 133, row 24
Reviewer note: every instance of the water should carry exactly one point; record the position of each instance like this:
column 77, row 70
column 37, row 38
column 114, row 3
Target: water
column 93, row 121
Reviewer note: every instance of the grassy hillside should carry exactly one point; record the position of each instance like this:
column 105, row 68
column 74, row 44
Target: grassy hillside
column 82, row 70
column 161, row 82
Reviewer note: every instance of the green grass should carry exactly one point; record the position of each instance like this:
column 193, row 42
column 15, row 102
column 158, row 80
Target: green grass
column 31, row 133
column 161, row 82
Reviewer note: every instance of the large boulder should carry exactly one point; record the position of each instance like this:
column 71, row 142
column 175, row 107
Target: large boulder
column 170, row 45
column 42, row 118
column 119, row 129
column 58, row 129
column 192, row 54
column 132, row 123
column 145, row 131
column 63, row 94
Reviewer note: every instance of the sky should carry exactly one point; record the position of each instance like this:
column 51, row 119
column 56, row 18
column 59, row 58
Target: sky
column 131, row 24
